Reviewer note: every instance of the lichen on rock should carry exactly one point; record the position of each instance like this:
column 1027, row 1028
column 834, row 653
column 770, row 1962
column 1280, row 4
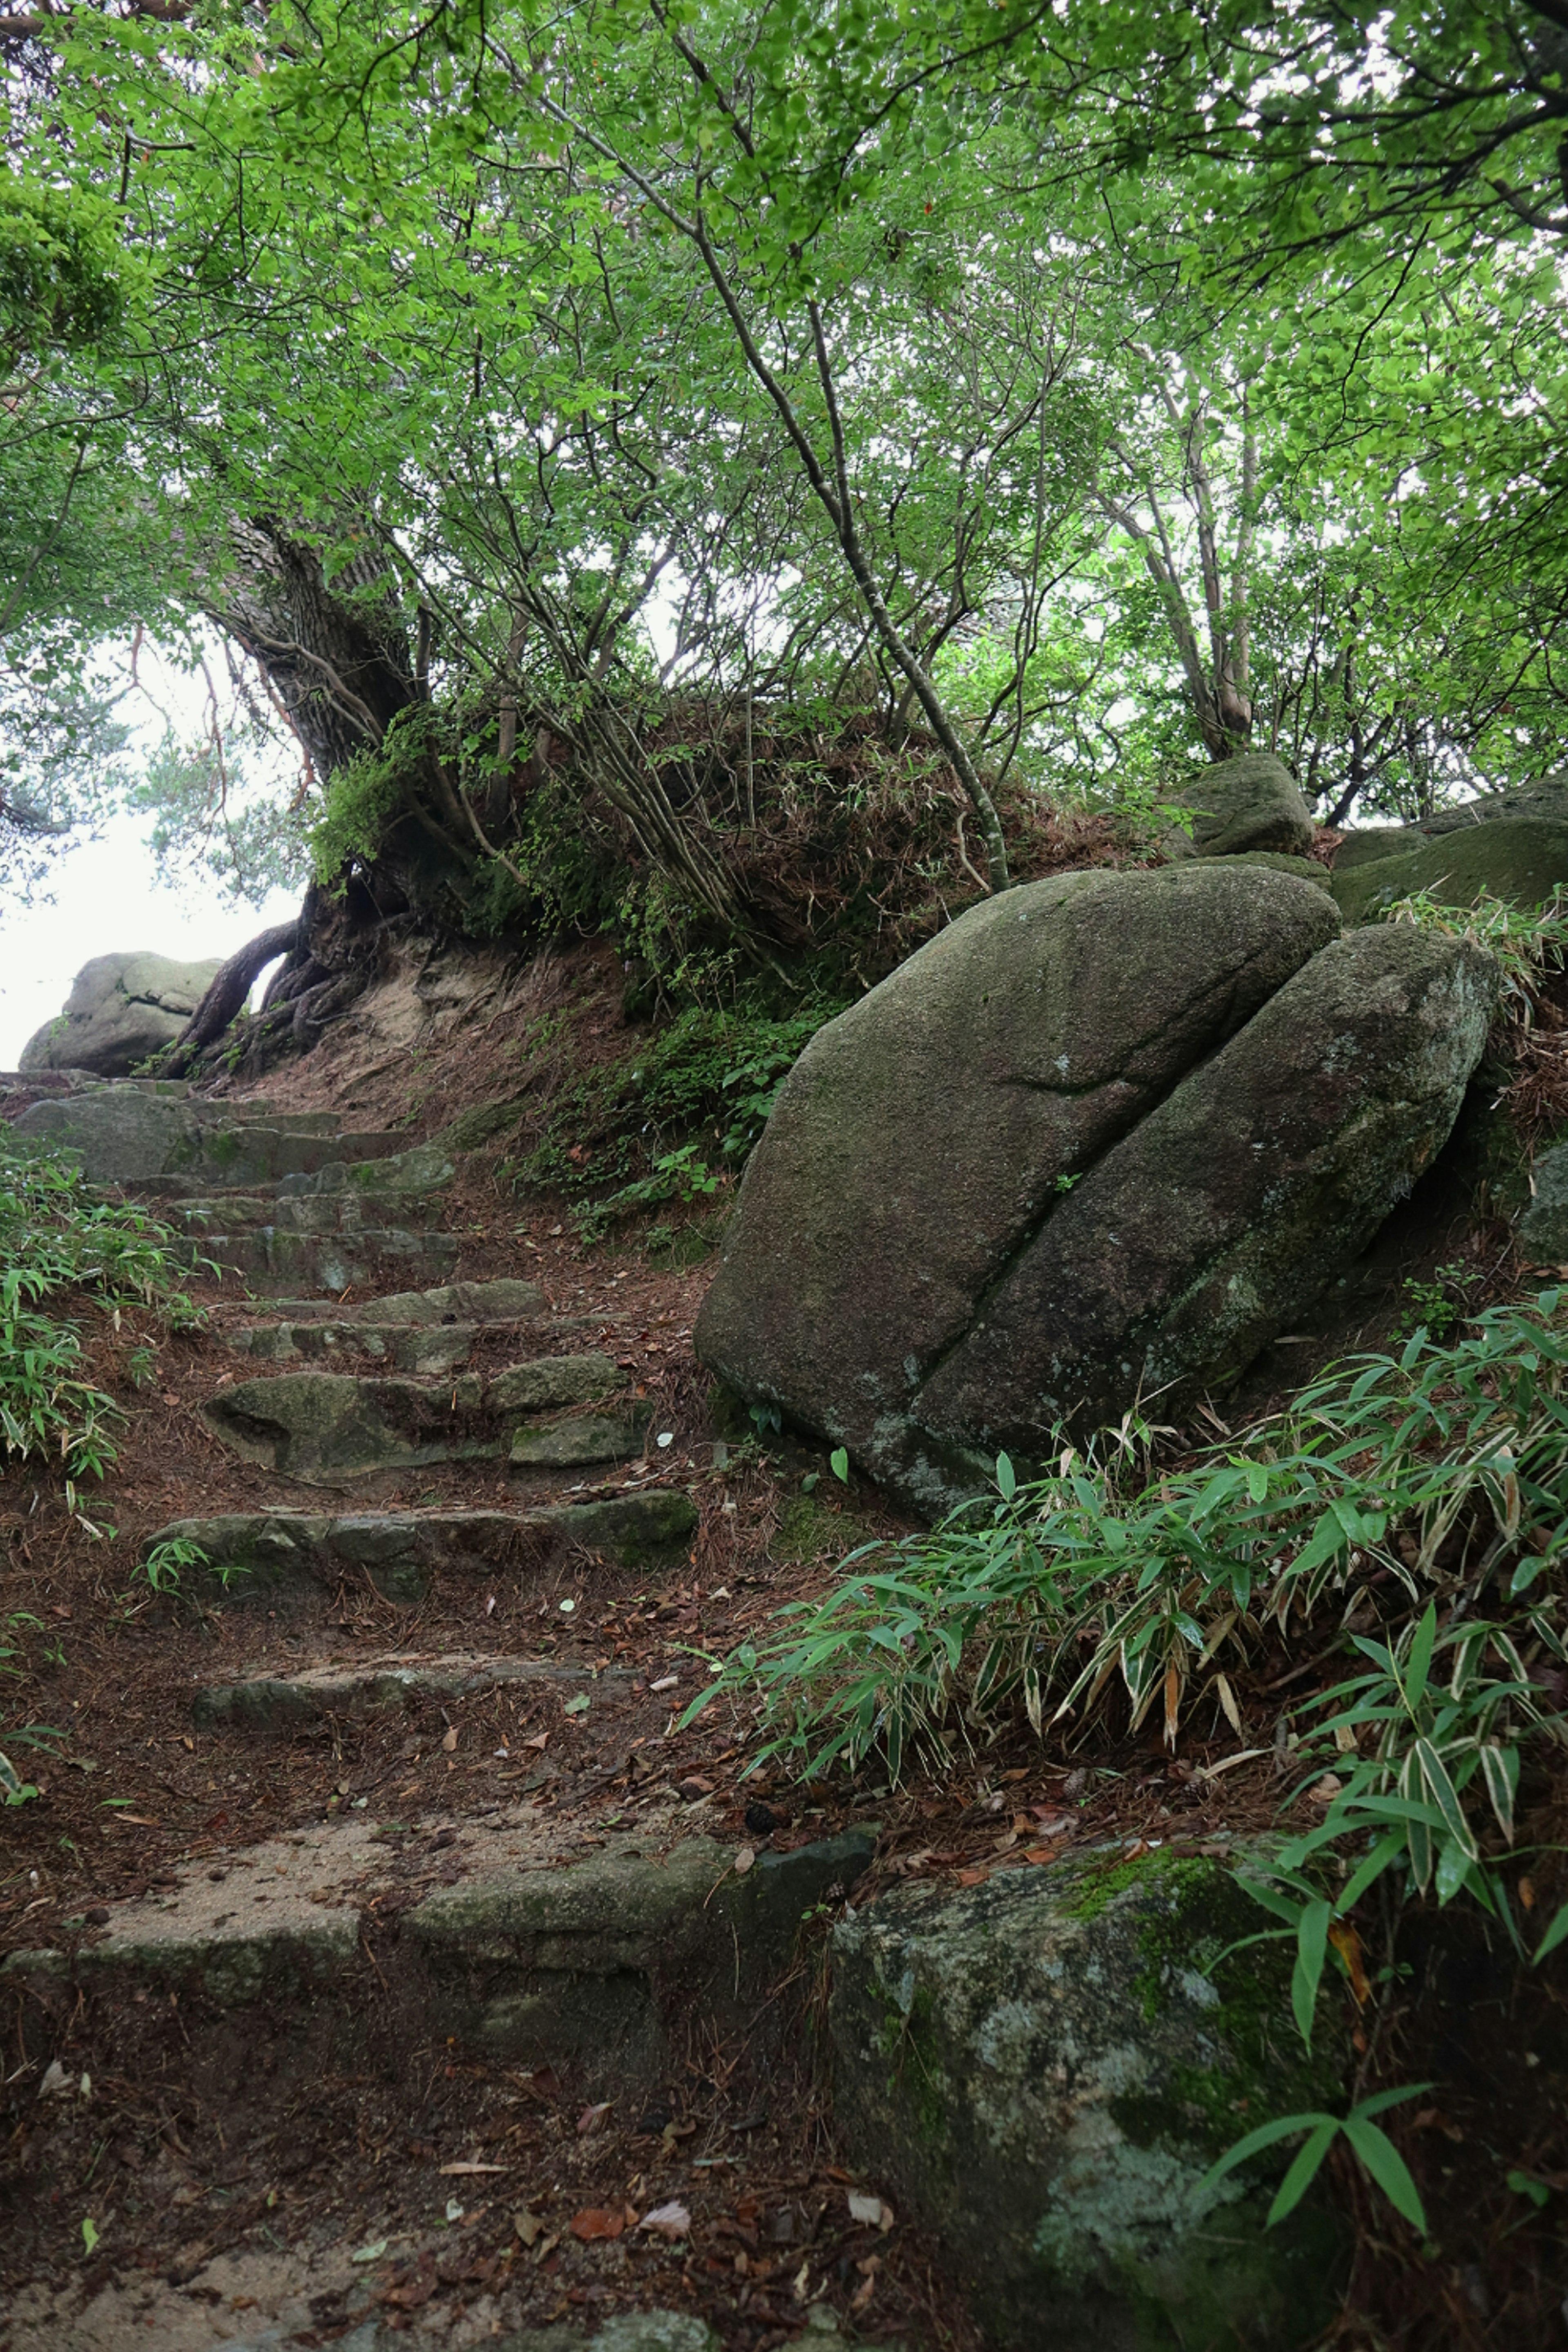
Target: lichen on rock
column 1046, row 2066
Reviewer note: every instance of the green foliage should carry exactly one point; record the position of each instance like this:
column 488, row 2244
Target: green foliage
column 1441, row 1470
column 1371, row 2147
column 1528, row 942
column 63, row 1240
column 706, row 1082
column 364, row 796
column 60, row 270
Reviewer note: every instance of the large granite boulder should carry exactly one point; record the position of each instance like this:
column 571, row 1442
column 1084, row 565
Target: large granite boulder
column 1519, row 857
column 1042, row 2069
column 1547, row 797
column 1106, row 1132
column 1250, row 802
column 121, row 1009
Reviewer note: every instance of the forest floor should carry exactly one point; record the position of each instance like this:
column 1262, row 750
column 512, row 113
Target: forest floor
column 205, row 2245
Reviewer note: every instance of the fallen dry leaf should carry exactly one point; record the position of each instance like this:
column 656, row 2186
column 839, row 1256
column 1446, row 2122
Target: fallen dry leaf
column 671, row 2221
column 529, row 2227
column 743, row 1861
column 976, row 1877
column 591, row 2118
column 866, row 2206
column 1050, row 1821
column 1347, row 1943
column 449, row 1738
column 465, row 2171
column 597, row 2221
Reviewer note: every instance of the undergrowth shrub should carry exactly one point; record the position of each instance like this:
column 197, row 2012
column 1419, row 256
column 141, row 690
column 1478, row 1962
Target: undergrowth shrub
column 1407, row 1515
column 64, row 1245
column 1437, row 1477
column 673, row 1120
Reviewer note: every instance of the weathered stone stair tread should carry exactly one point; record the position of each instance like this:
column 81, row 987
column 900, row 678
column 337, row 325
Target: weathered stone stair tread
column 274, row 1552
column 407, row 1347
column 304, row 1212
column 321, row 1426
column 286, row 1702
column 524, row 1952
column 455, row 1302
column 266, row 1260
column 123, row 1135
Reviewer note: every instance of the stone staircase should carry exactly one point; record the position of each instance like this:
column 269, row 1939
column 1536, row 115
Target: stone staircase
column 326, row 1950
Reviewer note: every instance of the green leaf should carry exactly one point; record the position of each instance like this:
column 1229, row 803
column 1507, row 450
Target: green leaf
column 1303, row 2170
column 1419, row 1664
column 1383, row 2160
column 1006, row 1479
column 1312, row 1950
column 839, row 1462
column 1268, row 2134
column 1555, row 1936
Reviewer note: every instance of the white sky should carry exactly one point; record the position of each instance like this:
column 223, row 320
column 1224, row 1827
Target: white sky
column 110, row 897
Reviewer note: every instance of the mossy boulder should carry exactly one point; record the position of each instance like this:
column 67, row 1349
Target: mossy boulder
column 1250, row 802
column 926, row 1135
column 121, row 1009
column 1547, row 797
column 1224, row 1214
column 1522, row 860
column 1043, row 2069
column 1544, row 1228
column 1104, row 1135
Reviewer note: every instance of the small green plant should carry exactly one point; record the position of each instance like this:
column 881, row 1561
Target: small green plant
column 14, row 1790
column 1368, row 2143
column 1433, row 1306
column 663, row 1123
column 1527, row 941
column 61, row 1239
column 165, row 1562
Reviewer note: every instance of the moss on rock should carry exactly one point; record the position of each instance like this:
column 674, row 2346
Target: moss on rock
column 1046, row 2067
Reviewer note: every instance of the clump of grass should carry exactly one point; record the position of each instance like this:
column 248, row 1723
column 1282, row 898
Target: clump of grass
column 65, row 1245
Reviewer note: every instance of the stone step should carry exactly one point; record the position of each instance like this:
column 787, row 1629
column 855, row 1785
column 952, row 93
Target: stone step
column 283, row 1556
column 407, row 1347
column 283, row 1702
column 124, row 1136
column 304, row 1212
column 323, row 1426
column 266, row 1260
column 605, row 1959
column 455, row 1302
column 408, row 1176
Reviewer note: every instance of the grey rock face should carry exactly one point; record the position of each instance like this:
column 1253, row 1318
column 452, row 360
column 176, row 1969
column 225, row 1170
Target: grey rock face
column 1522, row 858
column 1547, row 797
column 323, row 1426
column 277, row 1554
column 1043, row 2068
column 1103, row 1135
column 929, row 1133
column 1544, row 1228
column 1219, row 1218
column 1249, row 802
column 121, row 1009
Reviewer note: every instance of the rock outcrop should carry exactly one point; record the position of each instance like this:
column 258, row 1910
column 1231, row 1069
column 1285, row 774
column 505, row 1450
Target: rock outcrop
column 1043, row 2068
column 1250, row 802
column 121, row 1009
column 1521, row 858
column 1106, row 1133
